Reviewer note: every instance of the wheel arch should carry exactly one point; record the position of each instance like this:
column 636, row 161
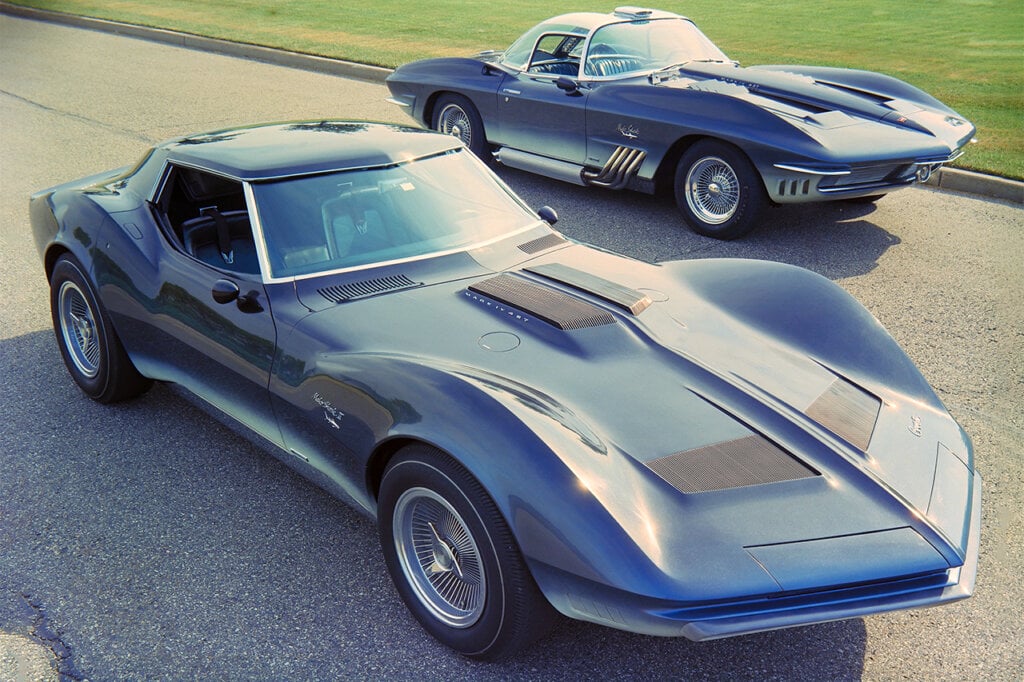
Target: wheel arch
column 664, row 176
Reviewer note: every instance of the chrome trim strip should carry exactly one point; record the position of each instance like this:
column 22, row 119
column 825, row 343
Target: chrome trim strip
column 869, row 186
column 809, row 171
column 401, row 103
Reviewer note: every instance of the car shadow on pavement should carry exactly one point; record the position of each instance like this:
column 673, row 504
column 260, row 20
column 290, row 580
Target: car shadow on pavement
column 158, row 542
column 835, row 239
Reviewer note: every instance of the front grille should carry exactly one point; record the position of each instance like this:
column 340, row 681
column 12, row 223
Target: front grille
column 751, row 460
column 552, row 306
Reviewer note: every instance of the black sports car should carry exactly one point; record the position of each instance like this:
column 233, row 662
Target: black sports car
column 641, row 99
column 703, row 448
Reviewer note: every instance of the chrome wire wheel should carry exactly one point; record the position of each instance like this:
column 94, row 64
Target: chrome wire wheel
column 439, row 557
column 712, row 190
column 454, row 121
column 79, row 329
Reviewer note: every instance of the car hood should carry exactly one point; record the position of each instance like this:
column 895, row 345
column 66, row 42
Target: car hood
column 826, row 100
column 688, row 398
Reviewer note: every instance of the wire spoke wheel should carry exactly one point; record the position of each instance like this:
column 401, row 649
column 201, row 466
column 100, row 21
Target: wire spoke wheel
column 712, row 190
column 454, row 121
column 439, row 557
column 79, row 330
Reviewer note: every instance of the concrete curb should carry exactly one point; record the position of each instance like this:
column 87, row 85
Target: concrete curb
column 191, row 41
column 950, row 179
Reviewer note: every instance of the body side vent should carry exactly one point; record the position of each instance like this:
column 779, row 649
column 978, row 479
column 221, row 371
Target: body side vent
column 847, row 411
column 628, row 299
column 751, row 460
column 552, row 306
column 346, row 292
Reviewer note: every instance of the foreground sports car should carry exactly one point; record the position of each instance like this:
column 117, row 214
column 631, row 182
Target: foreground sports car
column 703, row 448
column 641, row 99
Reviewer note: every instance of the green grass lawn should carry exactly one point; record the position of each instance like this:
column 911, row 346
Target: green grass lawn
column 967, row 53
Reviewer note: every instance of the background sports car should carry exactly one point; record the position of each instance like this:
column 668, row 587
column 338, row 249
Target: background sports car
column 703, row 448
column 641, row 99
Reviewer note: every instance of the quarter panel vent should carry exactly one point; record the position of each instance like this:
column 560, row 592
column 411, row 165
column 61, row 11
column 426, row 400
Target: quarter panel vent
column 346, row 292
column 751, row 460
column 552, row 306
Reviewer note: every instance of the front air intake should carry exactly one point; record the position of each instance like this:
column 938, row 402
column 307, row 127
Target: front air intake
column 552, row 306
column 751, row 460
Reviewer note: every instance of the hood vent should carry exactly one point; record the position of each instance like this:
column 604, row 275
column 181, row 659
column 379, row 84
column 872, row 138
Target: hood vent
column 630, row 300
column 369, row 287
column 847, row 411
column 552, row 306
column 548, row 241
column 751, row 460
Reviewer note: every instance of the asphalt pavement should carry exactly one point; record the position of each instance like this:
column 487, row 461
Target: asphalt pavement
column 147, row 541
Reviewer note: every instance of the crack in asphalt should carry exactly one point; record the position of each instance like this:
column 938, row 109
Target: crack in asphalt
column 78, row 117
column 47, row 637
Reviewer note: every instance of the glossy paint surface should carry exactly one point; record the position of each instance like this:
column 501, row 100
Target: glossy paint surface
column 564, row 424
column 812, row 133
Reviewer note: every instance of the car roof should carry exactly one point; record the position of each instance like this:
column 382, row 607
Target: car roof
column 588, row 21
column 278, row 150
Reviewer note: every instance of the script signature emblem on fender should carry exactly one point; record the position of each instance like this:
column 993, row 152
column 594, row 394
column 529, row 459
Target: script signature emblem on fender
column 915, row 426
column 628, row 131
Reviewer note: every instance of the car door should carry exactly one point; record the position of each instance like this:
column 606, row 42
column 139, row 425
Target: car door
column 197, row 312
column 536, row 114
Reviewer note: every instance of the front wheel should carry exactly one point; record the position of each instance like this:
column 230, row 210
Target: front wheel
column 453, row 558
column 718, row 190
column 88, row 343
column 456, row 116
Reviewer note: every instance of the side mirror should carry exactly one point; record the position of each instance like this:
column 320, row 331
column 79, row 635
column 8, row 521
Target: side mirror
column 225, row 291
column 548, row 215
column 568, row 85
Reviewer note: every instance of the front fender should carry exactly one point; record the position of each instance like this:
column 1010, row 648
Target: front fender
column 807, row 312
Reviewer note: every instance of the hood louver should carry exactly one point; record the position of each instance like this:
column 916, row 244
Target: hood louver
column 751, row 460
column 369, row 287
column 554, row 307
column 847, row 411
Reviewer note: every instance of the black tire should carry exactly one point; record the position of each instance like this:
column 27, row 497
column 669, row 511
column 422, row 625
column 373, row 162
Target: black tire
column 456, row 116
column 476, row 594
column 88, row 343
column 718, row 190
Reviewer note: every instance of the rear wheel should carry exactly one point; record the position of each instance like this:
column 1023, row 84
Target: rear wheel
column 456, row 116
column 88, row 343
column 718, row 190
column 453, row 558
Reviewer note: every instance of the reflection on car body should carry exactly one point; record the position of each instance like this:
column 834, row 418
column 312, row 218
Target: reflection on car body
column 641, row 99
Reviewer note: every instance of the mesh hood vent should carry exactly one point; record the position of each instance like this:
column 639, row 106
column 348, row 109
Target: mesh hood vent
column 542, row 243
column 368, row 287
column 554, row 307
column 628, row 299
column 751, row 460
column 847, row 411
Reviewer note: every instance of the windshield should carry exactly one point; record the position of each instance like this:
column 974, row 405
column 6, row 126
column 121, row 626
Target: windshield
column 333, row 221
column 645, row 46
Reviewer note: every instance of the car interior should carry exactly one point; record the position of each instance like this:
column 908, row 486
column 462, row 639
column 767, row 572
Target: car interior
column 208, row 217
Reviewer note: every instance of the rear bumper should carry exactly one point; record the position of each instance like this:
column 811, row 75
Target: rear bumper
column 590, row 601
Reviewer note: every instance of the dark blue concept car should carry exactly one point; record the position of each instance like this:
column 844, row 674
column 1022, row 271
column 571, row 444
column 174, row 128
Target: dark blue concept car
column 700, row 449
column 641, row 99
